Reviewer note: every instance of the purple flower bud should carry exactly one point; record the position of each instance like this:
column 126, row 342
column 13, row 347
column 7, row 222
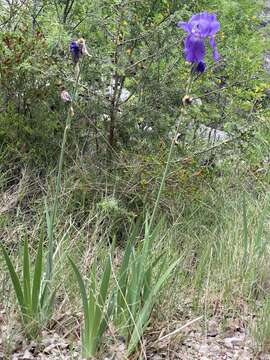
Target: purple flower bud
column 75, row 51
column 200, row 67
column 199, row 27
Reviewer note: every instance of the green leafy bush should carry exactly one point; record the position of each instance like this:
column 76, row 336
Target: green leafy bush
column 134, row 48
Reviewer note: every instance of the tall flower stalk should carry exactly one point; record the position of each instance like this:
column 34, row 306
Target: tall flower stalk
column 51, row 215
column 170, row 154
column 199, row 27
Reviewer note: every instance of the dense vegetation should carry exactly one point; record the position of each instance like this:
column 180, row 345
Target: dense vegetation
column 130, row 181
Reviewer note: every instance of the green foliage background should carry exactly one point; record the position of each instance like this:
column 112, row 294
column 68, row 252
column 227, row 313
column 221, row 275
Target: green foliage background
column 136, row 43
column 139, row 42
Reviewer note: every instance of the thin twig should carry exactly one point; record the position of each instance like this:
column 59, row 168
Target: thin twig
column 179, row 329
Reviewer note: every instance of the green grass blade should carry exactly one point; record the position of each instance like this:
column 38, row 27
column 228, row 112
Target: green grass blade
column 83, row 295
column 104, row 286
column 92, row 309
column 124, row 271
column 15, row 281
column 145, row 313
column 50, row 224
column 258, row 240
column 26, row 278
column 245, row 231
column 93, row 278
column 48, row 309
column 146, row 226
column 97, row 305
column 45, row 292
column 92, row 303
column 134, row 288
column 104, row 322
column 123, row 278
column 147, row 284
column 148, row 276
column 48, row 220
column 139, row 271
column 36, row 289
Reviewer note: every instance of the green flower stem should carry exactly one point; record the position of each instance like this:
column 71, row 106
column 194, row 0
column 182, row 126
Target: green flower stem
column 58, row 181
column 163, row 179
column 189, row 82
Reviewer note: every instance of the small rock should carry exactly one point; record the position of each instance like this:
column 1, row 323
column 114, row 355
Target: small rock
column 122, row 347
column 27, row 355
column 263, row 356
column 157, row 357
column 212, row 328
column 214, row 349
column 242, row 355
column 49, row 348
column 233, row 341
column 228, row 343
column 203, row 349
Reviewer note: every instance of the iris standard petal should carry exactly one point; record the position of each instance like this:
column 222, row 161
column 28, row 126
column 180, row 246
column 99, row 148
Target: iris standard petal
column 185, row 26
column 208, row 16
column 195, row 17
column 194, row 48
column 205, row 24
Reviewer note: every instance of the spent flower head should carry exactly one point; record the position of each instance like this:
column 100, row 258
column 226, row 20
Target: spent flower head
column 199, row 27
column 65, row 96
column 82, row 46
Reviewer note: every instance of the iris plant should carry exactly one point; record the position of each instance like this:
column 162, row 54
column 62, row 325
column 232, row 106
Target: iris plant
column 199, row 27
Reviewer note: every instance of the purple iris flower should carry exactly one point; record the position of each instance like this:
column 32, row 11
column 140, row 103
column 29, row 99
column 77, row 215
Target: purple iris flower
column 75, row 51
column 199, row 27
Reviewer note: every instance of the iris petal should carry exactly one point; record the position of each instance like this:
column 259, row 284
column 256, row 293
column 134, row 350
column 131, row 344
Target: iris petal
column 184, row 25
column 207, row 23
column 214, row 46
column 194, row 49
